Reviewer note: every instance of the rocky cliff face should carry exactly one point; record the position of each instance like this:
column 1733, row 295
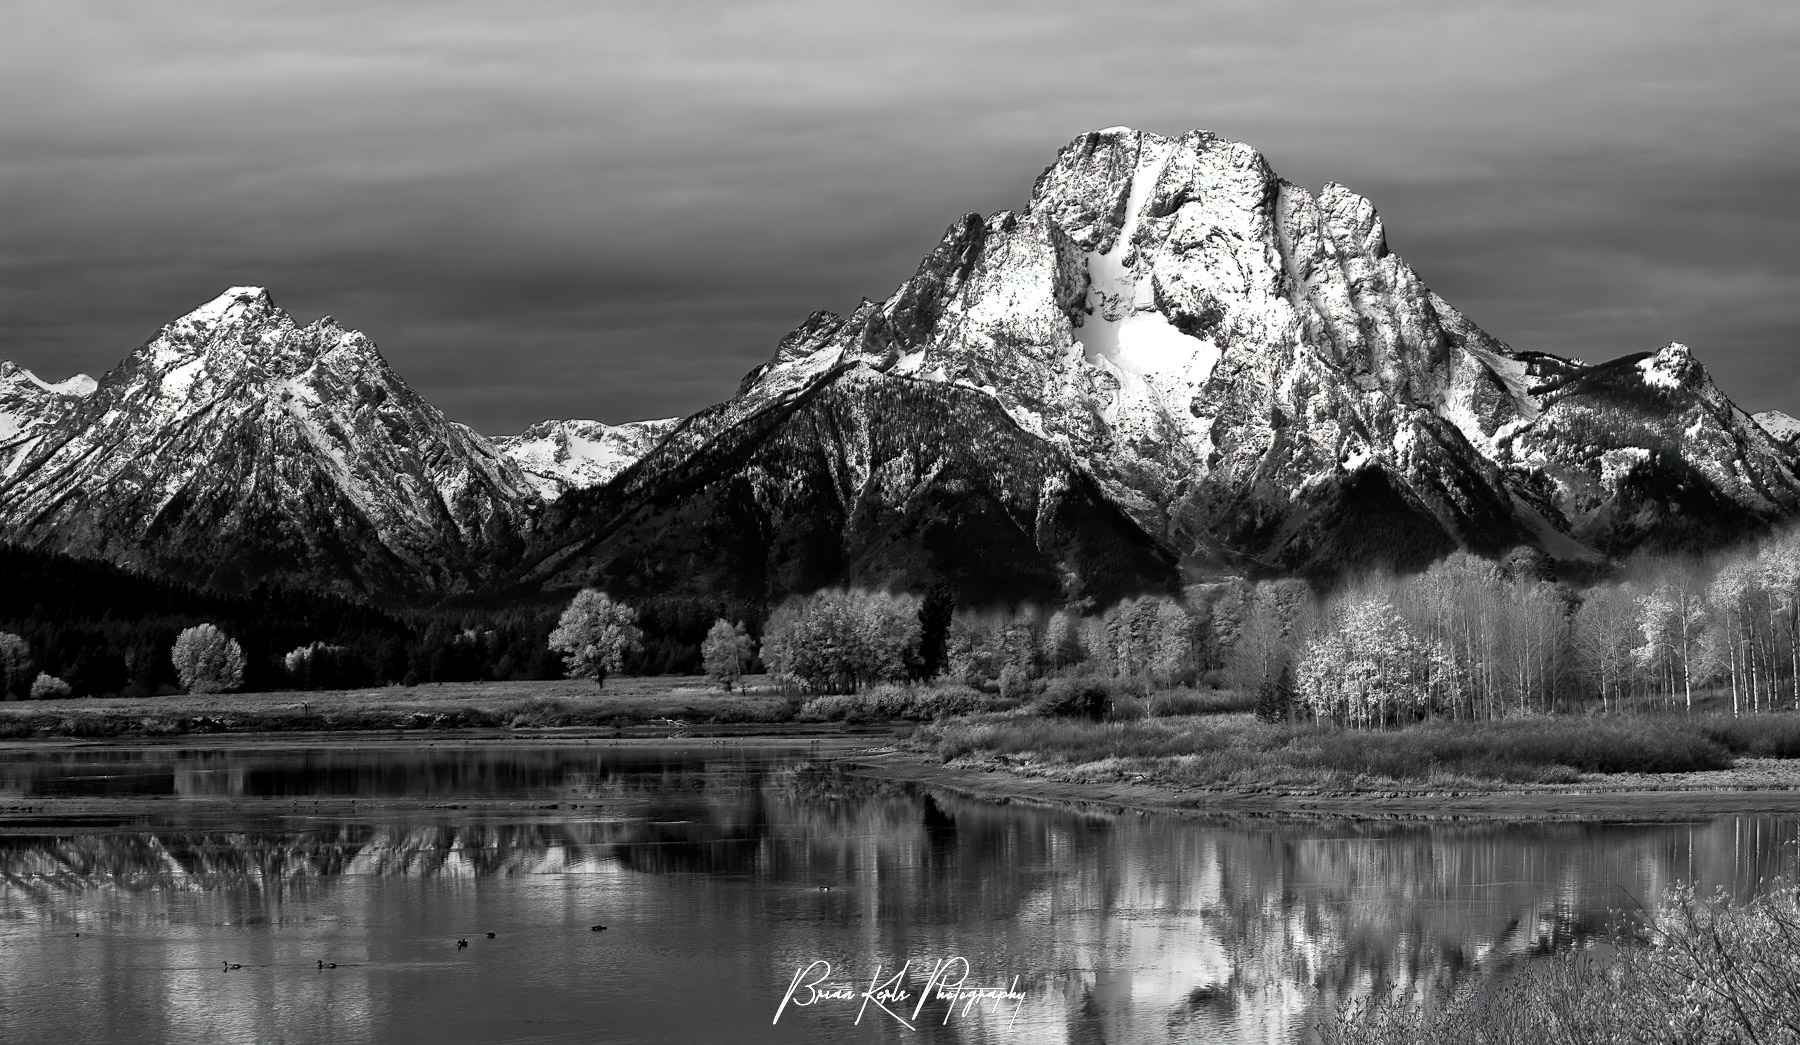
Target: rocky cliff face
column 237, row 446
column 852, row 477
column 1169, row 355
column 28, row 404
column 559, row 456
column 1260, row 382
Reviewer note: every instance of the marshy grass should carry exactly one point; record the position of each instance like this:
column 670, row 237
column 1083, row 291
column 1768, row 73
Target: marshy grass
column 1238, row 750
column 915, row 703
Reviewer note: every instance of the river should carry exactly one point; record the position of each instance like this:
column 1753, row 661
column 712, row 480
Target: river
column 189, row 894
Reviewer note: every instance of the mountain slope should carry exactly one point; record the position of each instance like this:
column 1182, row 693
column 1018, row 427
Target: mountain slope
column 1249, row 370
column 558, row 456
column 852, row 477
column 237, row 447
column 27, row 404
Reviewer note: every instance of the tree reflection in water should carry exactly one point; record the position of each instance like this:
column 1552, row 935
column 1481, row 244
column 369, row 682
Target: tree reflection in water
column 742, row 865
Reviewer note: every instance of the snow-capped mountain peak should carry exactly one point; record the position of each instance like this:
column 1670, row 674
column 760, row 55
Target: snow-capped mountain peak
column 1242, row 362
column 557, row 456
column 1781, row 427
column 237, row 443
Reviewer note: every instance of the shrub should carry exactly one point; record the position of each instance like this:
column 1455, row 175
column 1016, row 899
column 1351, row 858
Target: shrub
column 1704, row 970
column 1184, row 701
column 1016, row 683
column 918, row 703
column 207, row 660
column 1086, row 697
column 322, row 666
column 48, row 687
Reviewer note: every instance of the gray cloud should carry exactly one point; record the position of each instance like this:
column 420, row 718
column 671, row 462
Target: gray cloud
column 613, row 210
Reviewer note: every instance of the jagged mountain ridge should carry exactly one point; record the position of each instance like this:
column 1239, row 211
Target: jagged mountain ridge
column 854, row 476
column 237, row 447
column 1168, row 327
column 1250, row 371
column 559, row 456
column 29, row 403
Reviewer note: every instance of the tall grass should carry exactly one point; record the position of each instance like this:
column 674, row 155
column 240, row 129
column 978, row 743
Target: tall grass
column 1705, row 971
column 906, row 702
column 1238, row 750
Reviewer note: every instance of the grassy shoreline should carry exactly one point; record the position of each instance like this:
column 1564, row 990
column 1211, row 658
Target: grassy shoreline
column 670, row 704
column 1223, row 763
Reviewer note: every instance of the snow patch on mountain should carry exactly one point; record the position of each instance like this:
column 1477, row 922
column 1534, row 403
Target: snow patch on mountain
column 558, row 456
column 1784, row 429
column 1245, row 365
column 237, row 445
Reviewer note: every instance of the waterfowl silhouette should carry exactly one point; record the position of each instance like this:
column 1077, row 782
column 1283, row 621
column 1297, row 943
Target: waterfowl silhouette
column 229, row 965
column 599, row 928
column 462, row 943
column 490, row 936
column 323, row 964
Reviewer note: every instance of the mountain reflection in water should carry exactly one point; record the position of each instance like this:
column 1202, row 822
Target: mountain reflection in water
column 722, row 871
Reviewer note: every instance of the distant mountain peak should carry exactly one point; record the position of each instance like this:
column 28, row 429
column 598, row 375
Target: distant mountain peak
column 1673, row 366
column 1247, row 367
column 558, row 456
column 237, row 446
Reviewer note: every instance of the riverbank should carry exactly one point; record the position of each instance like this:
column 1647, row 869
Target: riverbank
column 1218, row 765
column 1753, row 786
column 662, row 705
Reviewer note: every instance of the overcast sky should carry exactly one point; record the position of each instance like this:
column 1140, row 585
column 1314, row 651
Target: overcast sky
column 613, row 210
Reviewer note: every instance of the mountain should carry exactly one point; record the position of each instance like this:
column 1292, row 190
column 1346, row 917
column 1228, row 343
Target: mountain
column 854, row 476
column 558, row 456
column 1171, row 364
column 237, row 447
column 1782, row 428
column 1249, row 371
column 29, row 403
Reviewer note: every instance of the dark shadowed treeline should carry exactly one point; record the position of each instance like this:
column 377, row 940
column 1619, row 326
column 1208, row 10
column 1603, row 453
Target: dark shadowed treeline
column 106, row 631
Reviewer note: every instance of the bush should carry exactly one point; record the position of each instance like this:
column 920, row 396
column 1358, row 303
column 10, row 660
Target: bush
column 1168, row 702
column 1763, row 735
column 1703, row 971
column 917, row 703
column 48, row 687
column 1016, row 683
column 1088, row 697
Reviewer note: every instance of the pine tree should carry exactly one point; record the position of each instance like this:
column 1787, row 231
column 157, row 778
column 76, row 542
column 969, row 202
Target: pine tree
column 935, row 614
column 16, row 668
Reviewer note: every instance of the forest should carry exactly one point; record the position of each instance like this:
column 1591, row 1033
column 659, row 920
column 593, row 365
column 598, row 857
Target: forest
column 109, row 631
column 1467, row 638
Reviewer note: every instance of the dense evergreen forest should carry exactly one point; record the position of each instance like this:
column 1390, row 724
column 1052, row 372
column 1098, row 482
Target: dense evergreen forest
column 108, row 631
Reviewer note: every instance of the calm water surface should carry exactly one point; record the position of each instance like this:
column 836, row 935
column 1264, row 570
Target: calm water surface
column 721, row 872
